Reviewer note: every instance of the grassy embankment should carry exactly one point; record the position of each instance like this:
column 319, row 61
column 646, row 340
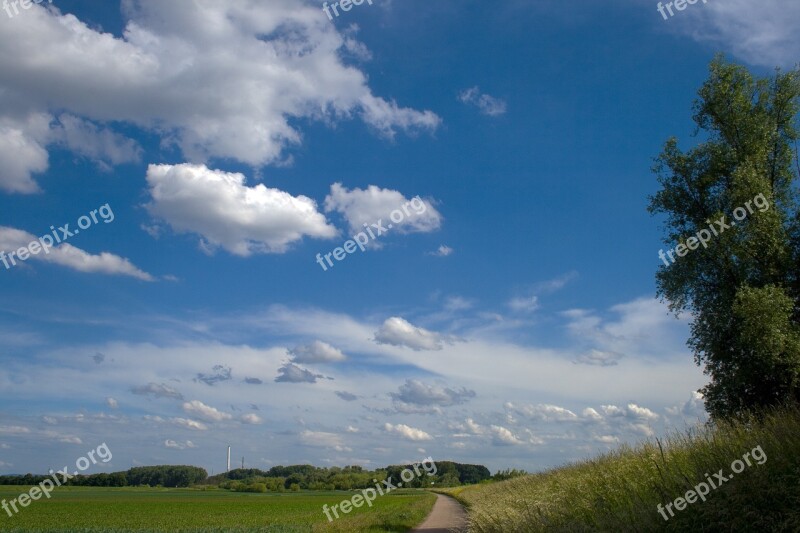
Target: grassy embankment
column 113, row 510
column 619, row 491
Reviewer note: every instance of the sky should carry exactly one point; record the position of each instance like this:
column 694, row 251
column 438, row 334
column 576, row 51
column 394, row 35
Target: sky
column 415, row 229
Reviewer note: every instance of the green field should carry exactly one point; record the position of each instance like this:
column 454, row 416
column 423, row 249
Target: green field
column 95, row 510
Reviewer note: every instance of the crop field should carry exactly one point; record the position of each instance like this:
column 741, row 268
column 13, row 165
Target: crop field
column 96, row 510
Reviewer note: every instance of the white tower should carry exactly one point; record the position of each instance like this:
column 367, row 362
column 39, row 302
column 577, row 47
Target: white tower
column 229, row 459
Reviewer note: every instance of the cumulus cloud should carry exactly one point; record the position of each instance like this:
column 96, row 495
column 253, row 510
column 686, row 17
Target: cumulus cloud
column 544, row 412
column 487, row 104
column 112, row 403
column 225, row 212
column 220, row 373
column 317, row 352
column 188, row 423
column 253, row 381
column 205, row 412
column 407, row 432
column 397, row 331
column 693, row 407
column 419, row 393
column 276, row 63
column 101, row 145
column 22, row 152
column 324, row 440
column 373, row 204
column 504, row 437
column 291, row 373
column 66, row 255
column 157, row 390
column 251, row 418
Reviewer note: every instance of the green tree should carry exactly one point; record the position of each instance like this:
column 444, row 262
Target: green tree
column 742, row 288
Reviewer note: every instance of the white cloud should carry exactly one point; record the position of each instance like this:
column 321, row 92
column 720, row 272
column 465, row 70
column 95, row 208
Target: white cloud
column 22, row 153
column 474, row 428
column 487, row 104
column 762, row 33
column 157, row 390
column 101, row 145
column 416, row 392
column 169, row 443
column 407, row 432
column 632, row 412
column 11, row 239
column 693, row 408
column 205, row 412
column 251, row 418
column 397, row 331
column 324, row 440
column 526, row 304
column 504, row 437
column 224, row 211
column 591, row 414
column 189, row 423
column 545, row 412
column 373, row 204
column 317, row 352
column 607, row 439
column 443, row 251
column 112, row 403
column 274, row 63
column 14, row 430
column 291, row 373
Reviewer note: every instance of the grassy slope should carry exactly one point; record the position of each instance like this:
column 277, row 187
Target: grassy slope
column 619, row 491
column 109, row 510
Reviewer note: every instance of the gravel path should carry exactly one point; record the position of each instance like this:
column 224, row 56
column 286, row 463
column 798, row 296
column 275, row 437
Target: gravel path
column 447, row 516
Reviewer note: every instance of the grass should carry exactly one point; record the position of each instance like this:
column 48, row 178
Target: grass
column 111, row 510
column 619, row 491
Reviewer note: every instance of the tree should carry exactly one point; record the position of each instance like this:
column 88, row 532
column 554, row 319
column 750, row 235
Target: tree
column 738, row 278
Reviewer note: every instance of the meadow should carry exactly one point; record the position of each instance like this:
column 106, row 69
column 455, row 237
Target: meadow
column 111, row 510
column 620, row 491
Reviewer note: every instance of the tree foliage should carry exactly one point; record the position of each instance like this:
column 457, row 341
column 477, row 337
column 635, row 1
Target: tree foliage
column 742, row 290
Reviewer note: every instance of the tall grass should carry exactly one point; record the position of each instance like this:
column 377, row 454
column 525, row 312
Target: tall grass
column 619, row 491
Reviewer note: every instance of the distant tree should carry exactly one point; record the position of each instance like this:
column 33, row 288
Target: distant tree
column 742, row 288
column 503, row 475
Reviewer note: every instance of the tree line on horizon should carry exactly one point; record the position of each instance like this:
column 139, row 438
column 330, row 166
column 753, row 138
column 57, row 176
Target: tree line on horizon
column 276, row 479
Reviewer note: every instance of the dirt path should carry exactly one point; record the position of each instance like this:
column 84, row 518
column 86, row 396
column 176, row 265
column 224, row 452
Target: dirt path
column 447, row 516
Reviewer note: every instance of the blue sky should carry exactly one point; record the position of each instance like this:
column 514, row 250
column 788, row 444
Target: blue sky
column 511, row 322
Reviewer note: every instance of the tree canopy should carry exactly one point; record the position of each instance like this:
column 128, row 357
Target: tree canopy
column 731, row 207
